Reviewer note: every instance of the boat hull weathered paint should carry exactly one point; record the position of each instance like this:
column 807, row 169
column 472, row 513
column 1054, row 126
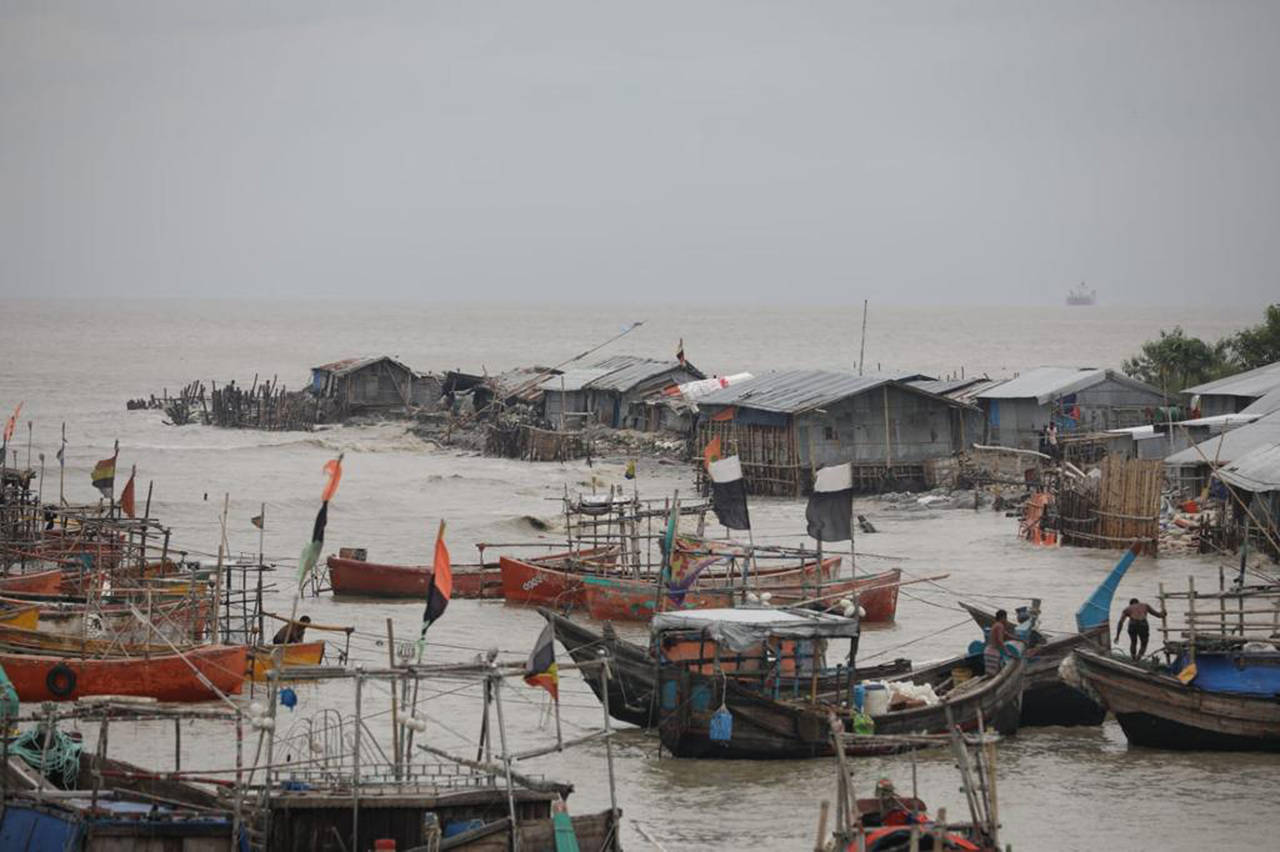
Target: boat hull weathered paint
column 621, row 599
column 1046, row 698
column 36, row 583
column 555, row 580
column 1158, row 711
column 631, row 696
column 262, row 658
column 357, row 578
column 21, row 617
column 165, row 678
column 765, row 728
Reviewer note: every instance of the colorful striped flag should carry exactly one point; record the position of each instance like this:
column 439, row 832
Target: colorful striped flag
column 541, row 669
column 441, row 588
column 104, row 474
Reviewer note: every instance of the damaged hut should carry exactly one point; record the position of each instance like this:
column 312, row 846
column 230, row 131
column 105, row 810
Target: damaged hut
column 786, row 425
column 1234, row 393
column 373, row 384
column 1076, row 399
column 620, row 392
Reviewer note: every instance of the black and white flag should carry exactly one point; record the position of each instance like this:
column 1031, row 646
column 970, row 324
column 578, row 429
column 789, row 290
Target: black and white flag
column 830, row 510
column 729, row 493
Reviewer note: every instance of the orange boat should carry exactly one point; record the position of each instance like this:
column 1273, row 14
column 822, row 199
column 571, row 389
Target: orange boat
column 262, row 657
column 554, row 580
column 19, row 616
column 168, row 677
column 616, row 599
column 357, row 577
column 38, row 583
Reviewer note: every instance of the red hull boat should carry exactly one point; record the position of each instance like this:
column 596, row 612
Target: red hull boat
column 556, row 580
column 166, row 677
column 613, row 599
column 38, row 583
column 374, row 580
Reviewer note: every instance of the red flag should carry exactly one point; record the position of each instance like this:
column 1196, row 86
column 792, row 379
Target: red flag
column 333, row 467
column 441, row 588
column 712, row 451
column 126, row 496
column 13, row 422
column 680, row 352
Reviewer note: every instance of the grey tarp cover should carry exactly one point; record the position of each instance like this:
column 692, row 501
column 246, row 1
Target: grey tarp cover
column 745, row 628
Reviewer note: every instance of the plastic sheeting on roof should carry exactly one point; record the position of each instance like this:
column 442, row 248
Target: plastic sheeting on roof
column 1232, row 445
column 793, row 391
column 745, row 628
column 1252, row 383
column 1257, row 470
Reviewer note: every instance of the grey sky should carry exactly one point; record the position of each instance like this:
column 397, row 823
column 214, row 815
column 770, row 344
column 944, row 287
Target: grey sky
column 717, row 150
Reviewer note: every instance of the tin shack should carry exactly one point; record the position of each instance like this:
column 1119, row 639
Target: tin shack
column 372, row 384
column 1234, row 393
column 785, row 425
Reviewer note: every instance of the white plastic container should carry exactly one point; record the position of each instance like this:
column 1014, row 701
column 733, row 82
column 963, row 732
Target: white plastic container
column 877, row 701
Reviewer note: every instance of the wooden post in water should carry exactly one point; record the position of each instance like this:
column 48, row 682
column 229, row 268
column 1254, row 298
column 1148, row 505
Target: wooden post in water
column 506, row 760
column 395, row 715
column 355, row 763
column 608, row 736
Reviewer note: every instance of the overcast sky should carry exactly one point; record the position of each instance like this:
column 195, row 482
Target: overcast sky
column 717, row 150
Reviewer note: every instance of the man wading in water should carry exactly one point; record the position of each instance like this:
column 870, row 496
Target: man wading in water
column 1139, row 630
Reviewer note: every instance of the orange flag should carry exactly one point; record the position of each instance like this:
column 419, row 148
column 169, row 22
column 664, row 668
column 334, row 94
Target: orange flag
column 12, row 424
column 712, row 451
column 441, row 588
column 126, row 497
column 333, row 467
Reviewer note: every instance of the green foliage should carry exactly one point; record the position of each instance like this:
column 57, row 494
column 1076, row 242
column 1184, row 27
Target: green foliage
column 1260, row 345
column 1175, row 361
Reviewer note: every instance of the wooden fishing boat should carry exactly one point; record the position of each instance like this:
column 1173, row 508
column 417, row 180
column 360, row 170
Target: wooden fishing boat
column 634, row 669
column 555, row 580
column 47, row 582
column 40, row 641
column 1047, row 699
column 695, row 687
column 622, row 599
column 180, row 619
column 24, row 617
column 263, row 658
column 1156, row 709
column 168, row 677
column 358, row 578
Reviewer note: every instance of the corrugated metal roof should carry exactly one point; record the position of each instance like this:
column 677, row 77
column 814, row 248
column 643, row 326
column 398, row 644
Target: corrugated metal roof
column 1258, row 470
column 574, row 379
column 1044, row 383
column 1254, row 383
column 624, row 372
column 1265, row 404
column 1232, row 445
column 350, row 365
column 793, row 391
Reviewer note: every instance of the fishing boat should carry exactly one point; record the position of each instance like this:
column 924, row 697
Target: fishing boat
column 555, row 580
column 1047, row 698
column 633, row 668
column 179, row 619
column 267, row 658
column 24, row 617
column 358, row 578
column 47, row 582
column 627, row 599
column 1078, row 296
column 197, row 674
column 697, row 694
column 1218, row 686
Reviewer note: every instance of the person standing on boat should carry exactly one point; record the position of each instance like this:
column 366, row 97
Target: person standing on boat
column 1139, row 631
column 993, row 654
column 291, row 633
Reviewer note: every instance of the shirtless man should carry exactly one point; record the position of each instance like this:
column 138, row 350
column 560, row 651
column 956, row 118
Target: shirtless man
column 993, row 654
column 1139, row 631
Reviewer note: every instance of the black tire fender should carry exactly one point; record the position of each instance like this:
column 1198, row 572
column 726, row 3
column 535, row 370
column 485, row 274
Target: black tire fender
column 61, row 680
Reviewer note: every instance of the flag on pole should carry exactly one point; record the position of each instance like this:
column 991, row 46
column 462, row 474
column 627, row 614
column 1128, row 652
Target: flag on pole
column 441, row 588
column 62, row 459
column 729, row 493
column 12, row 423
column 541, row 669
column 311, row 550
column 830, row 510
column 680, row 352
column 126, row 496
column 711, row 453
column 256, row 520
column 104, row 475
column 333, row 467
